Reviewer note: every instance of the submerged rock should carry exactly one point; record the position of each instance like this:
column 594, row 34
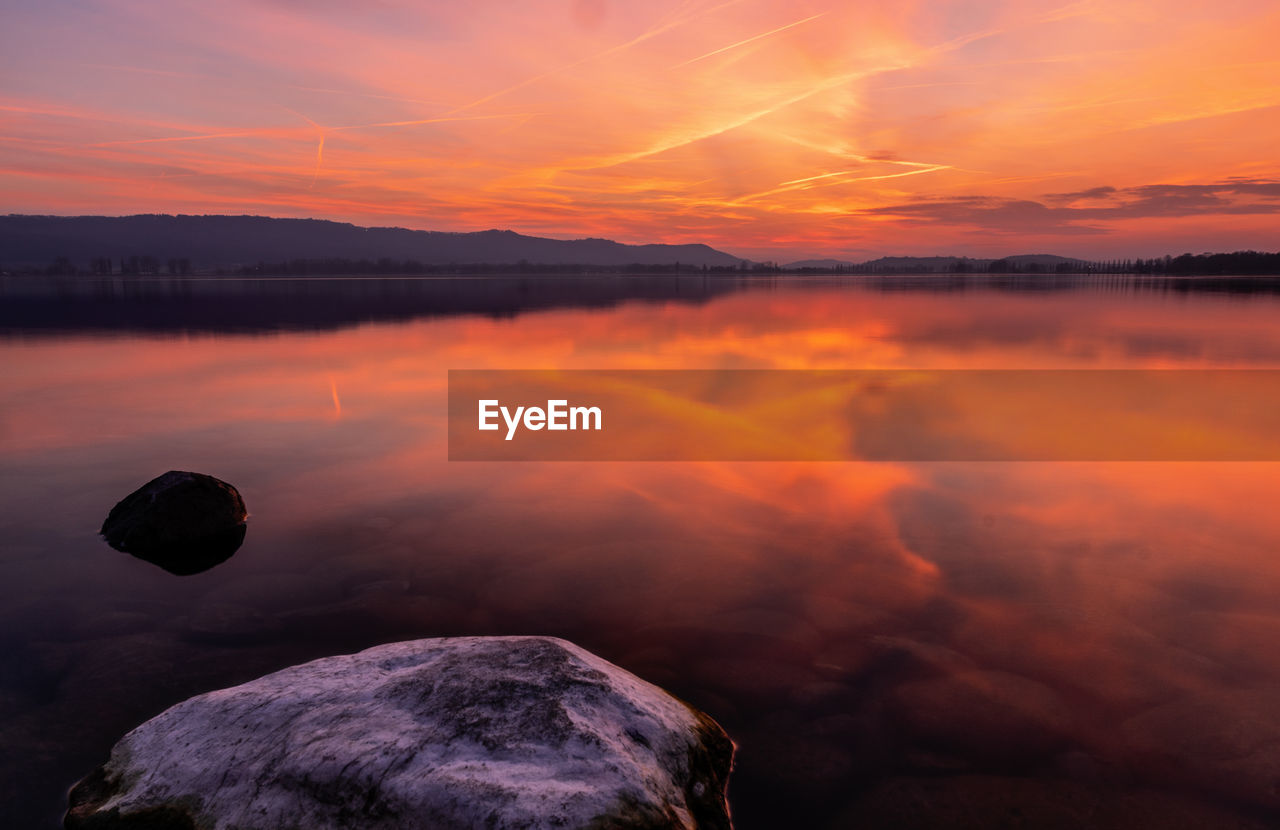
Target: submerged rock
column 992, row 716
column 1225, row 741
column 184, row 522
column 223, row 624
column 498, row 732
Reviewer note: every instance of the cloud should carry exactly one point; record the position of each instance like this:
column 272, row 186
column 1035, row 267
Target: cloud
column 991, row 213
column 1091, row 193
column 1089, row 211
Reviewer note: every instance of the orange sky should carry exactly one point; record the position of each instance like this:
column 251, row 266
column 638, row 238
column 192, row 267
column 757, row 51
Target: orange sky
column 768, row 129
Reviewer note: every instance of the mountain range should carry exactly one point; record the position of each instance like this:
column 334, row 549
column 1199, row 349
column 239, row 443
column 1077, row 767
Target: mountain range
column 205, row 243
column 230, row 241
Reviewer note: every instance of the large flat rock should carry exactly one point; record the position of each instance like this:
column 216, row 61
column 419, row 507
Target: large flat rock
column 467, row 732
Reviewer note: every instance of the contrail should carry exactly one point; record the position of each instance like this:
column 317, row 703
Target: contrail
column 652, row 33
column 709, row 132
column 449, row 116
column 315, row 176
column 440, row 120
column 179, row 138
column 337, row 404
column 287, row 131
column 367, row 95
column 750, row 40
column 929, row 165
column 800, row 184
column 319, row 158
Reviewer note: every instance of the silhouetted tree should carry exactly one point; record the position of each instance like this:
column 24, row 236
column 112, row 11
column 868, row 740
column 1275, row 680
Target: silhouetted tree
column 61, row 267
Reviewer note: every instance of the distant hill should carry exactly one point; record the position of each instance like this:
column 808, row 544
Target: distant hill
column 1047, row 260
column 229, row 241
column 931, row 264
column 818, row 263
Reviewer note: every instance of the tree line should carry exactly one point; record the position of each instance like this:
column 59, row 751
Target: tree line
column 390, row 267
column 1240, row 263
column 101, row 266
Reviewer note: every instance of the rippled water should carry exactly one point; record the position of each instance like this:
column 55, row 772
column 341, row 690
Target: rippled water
column 924, row 644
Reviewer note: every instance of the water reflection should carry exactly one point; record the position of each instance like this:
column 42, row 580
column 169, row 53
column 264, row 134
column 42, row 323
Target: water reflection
column 37, row 306
column 34, row 306
column 948, row 639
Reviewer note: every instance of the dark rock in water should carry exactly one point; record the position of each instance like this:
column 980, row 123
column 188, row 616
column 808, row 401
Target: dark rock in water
column 184, row 522
column 449, row 734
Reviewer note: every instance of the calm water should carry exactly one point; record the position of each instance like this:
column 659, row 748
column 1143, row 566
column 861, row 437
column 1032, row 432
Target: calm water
column 1038, row 644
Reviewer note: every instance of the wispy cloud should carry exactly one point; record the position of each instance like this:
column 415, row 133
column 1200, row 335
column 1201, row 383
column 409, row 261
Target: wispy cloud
column 752, row 39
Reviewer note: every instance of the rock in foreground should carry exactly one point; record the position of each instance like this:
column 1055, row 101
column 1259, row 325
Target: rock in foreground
column 184, row 522
column 466, row 732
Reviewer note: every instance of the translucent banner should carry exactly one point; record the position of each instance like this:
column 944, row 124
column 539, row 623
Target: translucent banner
column 867, row 415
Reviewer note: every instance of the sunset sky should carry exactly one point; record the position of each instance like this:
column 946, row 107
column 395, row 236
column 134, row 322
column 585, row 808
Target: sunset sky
column 773, row 130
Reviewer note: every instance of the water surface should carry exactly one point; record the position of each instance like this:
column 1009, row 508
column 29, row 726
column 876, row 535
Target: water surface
column 1060, row 644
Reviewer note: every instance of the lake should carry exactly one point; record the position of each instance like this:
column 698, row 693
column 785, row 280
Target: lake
column 890, row 644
